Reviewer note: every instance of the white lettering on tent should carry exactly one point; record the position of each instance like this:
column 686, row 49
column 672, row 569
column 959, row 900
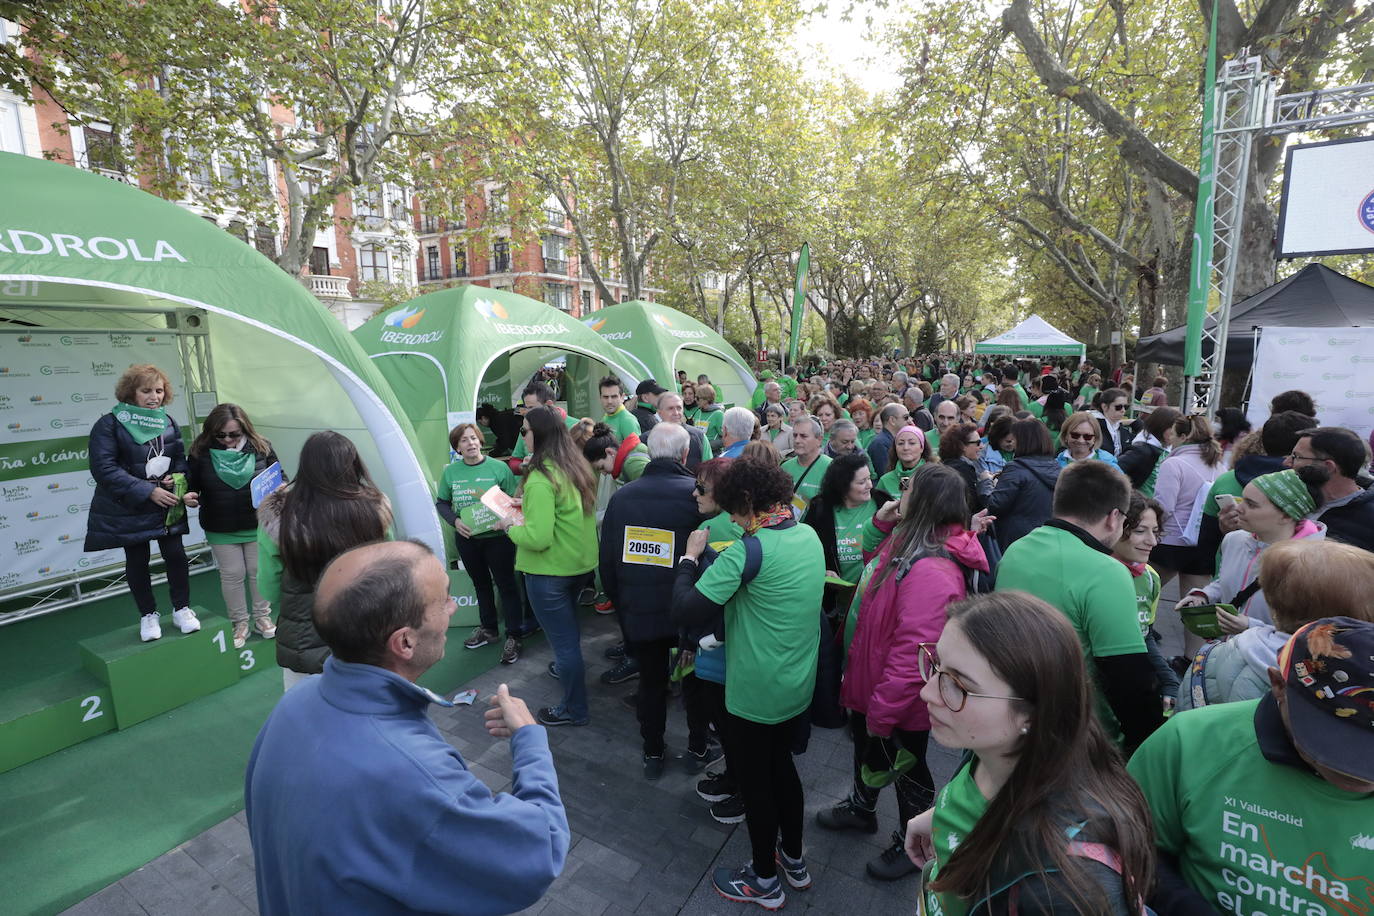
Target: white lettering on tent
column 688, row 334
column 120, row 253
column 616, row 335
column 62, row 241
column 18, row 236
column 401, row 337
column 25, row 241
column 528, row 329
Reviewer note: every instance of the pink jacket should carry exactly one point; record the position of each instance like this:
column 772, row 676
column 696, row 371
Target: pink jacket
column 882, row 678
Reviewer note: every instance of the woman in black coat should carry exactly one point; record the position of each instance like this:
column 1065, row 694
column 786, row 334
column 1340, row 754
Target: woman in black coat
column 138, row 462
column 1023, row 499
column 224, row 459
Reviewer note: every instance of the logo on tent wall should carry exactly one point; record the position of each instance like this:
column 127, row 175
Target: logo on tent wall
column 596, row 324
column 663, row 320
column 405, row 319
column 1366, row 212
column 491, row 310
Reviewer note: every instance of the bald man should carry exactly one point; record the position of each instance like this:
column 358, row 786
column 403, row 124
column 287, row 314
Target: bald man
column 356, row 804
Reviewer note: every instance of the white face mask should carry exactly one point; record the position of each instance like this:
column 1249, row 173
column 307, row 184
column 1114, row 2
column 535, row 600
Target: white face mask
column 157, row 467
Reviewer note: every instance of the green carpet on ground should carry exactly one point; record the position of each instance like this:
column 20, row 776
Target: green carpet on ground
column 82, row 818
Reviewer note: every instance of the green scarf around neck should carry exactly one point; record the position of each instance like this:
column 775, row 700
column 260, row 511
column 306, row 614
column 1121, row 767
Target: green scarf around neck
column 234, row 468
column 143, row 423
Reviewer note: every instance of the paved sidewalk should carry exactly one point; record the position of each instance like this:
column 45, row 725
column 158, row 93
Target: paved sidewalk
column 638, row 847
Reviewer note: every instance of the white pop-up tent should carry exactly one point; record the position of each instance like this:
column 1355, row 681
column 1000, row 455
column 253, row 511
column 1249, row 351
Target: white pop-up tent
column 1033, row 337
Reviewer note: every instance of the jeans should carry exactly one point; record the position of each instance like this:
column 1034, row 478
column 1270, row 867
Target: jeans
column 136, row 560
column 554, row 599
column 772, row 790
column 487, row 559
column 238, row 562
column 876, row 765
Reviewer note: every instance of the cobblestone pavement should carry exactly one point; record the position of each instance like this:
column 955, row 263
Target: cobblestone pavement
column 638, row 846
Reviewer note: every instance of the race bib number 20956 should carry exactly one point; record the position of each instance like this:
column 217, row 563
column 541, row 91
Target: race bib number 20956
column 647, row 546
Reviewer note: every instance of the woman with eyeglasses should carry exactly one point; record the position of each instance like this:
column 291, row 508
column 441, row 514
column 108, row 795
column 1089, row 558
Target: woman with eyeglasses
column 555, row 547
column 909, row 451
column 959, row 449
column 1041, row 817
column 331, row 506
column 861, row 412
column 915, row 573
column 223, row 461
column 1111, row 417
column 1081, row 436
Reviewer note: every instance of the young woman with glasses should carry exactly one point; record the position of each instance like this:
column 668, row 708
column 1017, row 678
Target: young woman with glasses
column 1041, row 816
column 959, row 450
column 223, row 461
column 1111, row 417
column 555, row 547
column 910, row 580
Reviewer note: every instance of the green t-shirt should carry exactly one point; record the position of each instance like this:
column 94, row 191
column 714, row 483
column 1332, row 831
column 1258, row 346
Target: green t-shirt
column 722, row 530
column 866, row 438
column 1091, row 588
column 622, row 423
column 1147, row 589
column 1226, row 483
column 1087, row 393
column 933, row 437
column 772, row 625
column 1251, row 836
column 1036, row 409
column 958, row 806
column 633, row 466
column 246, row 536
column 463, row 484
column 789, row 386
column 709, row 422
column 891, row 482
column 849, row 526
column 810, row 477
column 1021, row 393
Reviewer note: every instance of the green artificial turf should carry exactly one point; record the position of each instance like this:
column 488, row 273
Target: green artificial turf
column 78, row 820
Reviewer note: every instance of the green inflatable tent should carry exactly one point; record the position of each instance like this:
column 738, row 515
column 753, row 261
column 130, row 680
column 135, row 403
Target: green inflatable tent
column 662, row 341
column 448, row 352
column 93, row 272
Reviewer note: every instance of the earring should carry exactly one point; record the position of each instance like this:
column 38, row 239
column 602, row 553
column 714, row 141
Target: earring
column 1025, row 730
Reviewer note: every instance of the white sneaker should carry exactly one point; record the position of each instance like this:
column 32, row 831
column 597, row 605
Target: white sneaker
column 185, row 618
column 150, row 627
column 264, row 626
column 240, row 634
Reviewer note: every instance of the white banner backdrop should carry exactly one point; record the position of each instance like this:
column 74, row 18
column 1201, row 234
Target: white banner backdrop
column 1334, row 365
column 53, row 387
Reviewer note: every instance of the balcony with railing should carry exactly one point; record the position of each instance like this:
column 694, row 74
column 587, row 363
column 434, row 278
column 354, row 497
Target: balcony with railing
column 556, row 266
column 434, row 273
column 327, row 287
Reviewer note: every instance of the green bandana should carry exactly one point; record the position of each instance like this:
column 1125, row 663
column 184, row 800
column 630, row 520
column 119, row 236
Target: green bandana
column 1286, row 490
column 234, row 468
column 143, row 423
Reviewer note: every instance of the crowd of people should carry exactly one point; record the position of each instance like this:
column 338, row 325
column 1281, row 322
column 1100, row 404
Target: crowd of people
column 948, row 547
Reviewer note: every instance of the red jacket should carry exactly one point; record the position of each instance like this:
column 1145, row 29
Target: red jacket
column 882, row 679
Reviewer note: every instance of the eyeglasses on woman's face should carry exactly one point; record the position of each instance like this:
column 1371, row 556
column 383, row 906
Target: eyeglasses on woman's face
column 952, row 691
column 700, row 489
column 225, row 435
column 1118, row 406
column 1082, row 437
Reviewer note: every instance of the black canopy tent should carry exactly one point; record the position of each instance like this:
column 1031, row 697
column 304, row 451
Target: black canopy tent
column 1314, row 297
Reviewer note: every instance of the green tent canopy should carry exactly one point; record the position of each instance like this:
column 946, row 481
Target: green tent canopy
column 662, row 341
column 83, row 256
column 448, row 352
column 1033, row 337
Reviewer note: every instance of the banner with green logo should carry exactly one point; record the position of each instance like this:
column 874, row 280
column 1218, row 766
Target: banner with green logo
column 798, row 302
column 1199, row 280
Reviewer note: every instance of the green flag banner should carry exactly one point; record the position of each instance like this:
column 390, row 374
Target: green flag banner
column 798, row 303
column 1199, row 282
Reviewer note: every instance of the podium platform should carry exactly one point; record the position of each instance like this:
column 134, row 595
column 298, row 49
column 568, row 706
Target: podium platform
column 146, row 679
column 51, row 714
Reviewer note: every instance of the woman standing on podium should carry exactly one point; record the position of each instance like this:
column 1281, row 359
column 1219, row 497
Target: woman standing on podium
column 224, row 459
column 138, row 462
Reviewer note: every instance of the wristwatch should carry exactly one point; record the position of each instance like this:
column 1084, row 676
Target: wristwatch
column 688, row 559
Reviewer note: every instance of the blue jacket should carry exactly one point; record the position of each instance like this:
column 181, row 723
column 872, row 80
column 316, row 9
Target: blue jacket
column 357, row 805
column 878, row 452
column 1023, row 499
column 121, row 511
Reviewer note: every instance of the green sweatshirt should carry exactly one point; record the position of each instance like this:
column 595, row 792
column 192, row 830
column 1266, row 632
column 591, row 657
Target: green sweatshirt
column 622, row 423
column 559, row 536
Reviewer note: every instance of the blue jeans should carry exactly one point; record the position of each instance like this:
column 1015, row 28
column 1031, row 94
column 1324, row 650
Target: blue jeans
column 554, row 599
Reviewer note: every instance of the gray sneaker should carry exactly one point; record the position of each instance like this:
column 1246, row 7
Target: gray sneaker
column 510, row 652
column 480, row 637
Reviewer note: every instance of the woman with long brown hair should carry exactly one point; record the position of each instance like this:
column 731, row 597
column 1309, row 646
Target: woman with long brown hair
column 1042, row 816
column 1183, row 480
column 555, row 546
column 330, row 507
column 223, row 461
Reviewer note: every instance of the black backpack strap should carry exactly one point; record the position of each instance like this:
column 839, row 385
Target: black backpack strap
column 1245, row 595
column 753, row 559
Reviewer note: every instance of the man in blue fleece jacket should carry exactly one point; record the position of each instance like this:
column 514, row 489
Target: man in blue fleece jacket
column 356, row 804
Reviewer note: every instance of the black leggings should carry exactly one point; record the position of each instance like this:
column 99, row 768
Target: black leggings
column 704, row 703
column 485, row 559
column 761, row 758
column 915, row 789
column 136, row 559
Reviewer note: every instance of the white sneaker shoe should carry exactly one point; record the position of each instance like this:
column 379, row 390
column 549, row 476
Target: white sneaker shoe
column 150, row 627
column 185, row 618
column 266, row 629
column 240, row 634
